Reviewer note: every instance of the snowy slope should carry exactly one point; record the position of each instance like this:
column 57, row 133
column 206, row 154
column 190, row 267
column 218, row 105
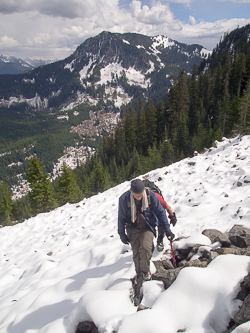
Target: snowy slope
column 69, row 265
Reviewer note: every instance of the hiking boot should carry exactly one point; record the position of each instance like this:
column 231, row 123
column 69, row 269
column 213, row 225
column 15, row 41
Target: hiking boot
column 160, row 246
column 146, row 277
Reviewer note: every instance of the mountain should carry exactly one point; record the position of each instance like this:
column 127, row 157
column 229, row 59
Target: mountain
column 231, row 44
column 110, row 70
column 69, row 265
column 12, row 65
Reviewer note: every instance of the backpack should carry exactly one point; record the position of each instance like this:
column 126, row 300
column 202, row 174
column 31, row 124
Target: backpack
column 151, row 185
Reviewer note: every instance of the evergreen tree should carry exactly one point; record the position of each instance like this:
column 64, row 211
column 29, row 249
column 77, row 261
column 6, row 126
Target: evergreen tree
column 194, row 102
column 154, row 159
column 237, row 74
column 6, row 204
column 166, row 150
column 244, row 108
column 130, row 128
column 180, row 137
column 171, row 108
column 114, row 173
column 151, row 122
column 160, row 120
column 134, row 167
column 120, row 143
column 22, row 209
column 41, row 195
column 216, row 96
column 67, row 186
column 141, row 129
column 99, row 178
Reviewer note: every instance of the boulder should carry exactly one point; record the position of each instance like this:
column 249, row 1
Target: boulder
column 182, row 254
column 193, row 263
column 225, row 250
column 244, row 313
column 209, row 255
column 223, row 239
column 86, row 327
column 193, row 251
column 211, row 234
column 244, row 288
column 166, row 276
column 240, row 236
column 167, row 264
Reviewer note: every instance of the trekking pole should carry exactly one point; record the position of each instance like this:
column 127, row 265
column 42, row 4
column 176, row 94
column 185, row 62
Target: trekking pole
column 172, row 251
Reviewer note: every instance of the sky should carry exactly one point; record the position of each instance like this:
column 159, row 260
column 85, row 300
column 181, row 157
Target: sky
column 69, row 265
column 52, row 29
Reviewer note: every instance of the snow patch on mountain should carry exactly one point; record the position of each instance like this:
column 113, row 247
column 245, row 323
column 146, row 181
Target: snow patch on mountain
column 162, row 41
column 35, row 102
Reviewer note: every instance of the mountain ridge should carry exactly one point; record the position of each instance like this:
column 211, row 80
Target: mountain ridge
column 77, row 78
column 13, row 65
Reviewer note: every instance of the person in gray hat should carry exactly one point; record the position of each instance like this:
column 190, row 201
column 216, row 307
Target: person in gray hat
column 138, row 215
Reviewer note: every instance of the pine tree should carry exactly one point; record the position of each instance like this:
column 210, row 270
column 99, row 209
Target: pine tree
column 130, row 128
column 151, row 122
column 179, row 132
column 41, row 195
column 120, row 143
column 154, row 159
column 67, row 186
column 244, row 108
column 194, row 102
column 99, row 178
column 167, row 150
column 134, row 167
column 160, row 120
column 141, row 129
column 114, row 173
column 171, row 108
column 6, row 204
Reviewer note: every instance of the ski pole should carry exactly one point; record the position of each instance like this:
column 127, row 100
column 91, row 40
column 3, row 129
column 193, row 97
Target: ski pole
column 172, row 251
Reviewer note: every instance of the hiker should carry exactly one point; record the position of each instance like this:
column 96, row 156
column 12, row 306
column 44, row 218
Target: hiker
column 171, row 216
column 139, row 213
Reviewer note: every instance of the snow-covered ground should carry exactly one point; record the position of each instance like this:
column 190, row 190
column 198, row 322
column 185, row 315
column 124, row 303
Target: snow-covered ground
column 69, row 265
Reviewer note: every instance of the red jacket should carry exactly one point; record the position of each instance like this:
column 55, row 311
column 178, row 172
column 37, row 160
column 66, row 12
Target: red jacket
column 162, row 201
column 164, row 204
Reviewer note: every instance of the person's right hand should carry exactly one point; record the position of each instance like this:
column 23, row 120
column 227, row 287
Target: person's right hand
column 125, row 239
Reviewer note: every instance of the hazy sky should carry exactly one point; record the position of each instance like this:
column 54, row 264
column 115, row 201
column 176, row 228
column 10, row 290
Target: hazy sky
column 52, row 29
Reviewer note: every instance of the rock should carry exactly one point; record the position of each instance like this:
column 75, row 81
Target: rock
column 86, row 327
column 193, row 251
column 212, row 234
column 167, row 277
column 49, row 254
column 244, row 313
column 193, row 263
column 244, row 288
column 240, row 236
column 223, row 239
column 209, row 255
column 158, row 265
column 228, row 250
column 167, row 264
column 182, row 254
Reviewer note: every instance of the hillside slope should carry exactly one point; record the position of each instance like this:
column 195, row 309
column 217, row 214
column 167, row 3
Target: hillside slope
column 69, row 265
